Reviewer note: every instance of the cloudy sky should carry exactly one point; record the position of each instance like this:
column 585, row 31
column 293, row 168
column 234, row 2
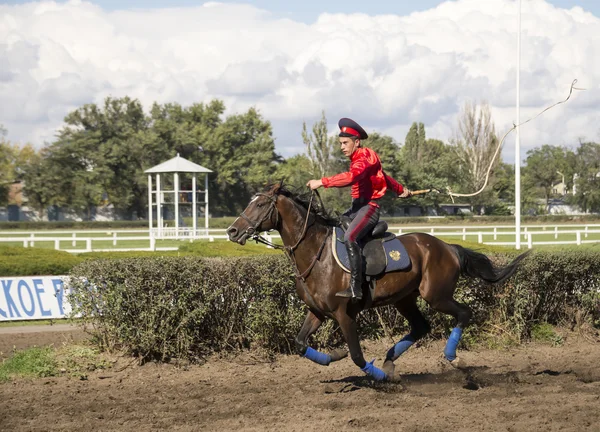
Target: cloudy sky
column 383, row 63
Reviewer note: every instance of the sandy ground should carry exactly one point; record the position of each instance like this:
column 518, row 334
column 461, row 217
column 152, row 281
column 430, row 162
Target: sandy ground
column 21, row 337
column 533, row 388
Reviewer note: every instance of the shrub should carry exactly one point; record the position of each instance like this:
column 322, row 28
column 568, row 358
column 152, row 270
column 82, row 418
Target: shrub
column 159, row 308
column 55, row 225
column 21, row 261
column 225, row 248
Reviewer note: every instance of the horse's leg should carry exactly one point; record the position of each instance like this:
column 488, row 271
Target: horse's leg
column 419, row 327
column 348, row 327
column 311, row 324
column 462, row 314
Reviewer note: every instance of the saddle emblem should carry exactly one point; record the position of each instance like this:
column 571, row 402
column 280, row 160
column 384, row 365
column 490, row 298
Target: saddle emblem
column 382, row 255
column 395, row 255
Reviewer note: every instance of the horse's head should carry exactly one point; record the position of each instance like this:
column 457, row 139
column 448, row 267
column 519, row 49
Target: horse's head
column 260, row 215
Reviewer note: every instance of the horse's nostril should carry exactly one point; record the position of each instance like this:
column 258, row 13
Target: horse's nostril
column 231, row 232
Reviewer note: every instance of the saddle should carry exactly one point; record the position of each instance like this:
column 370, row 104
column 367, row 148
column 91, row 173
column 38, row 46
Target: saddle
column 383, row 252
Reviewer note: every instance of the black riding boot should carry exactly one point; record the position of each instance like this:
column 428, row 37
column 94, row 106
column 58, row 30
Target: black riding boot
column 356, row 276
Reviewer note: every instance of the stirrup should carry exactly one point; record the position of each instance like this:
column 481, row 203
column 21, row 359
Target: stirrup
column 348, row 293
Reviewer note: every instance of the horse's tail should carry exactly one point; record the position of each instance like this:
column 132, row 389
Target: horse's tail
column 477, row 265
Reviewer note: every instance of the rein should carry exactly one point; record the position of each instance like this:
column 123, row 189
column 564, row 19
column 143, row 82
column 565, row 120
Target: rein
column 289, row 250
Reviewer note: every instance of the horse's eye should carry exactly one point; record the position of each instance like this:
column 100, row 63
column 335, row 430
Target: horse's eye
column 260, row 205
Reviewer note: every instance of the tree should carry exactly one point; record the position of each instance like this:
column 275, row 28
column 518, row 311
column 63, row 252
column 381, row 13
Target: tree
column 6, row 172
column 323, row 151
column 426, row 163
column 241, row 152
column 101, row 153
column 475, row 146
column 543, row 167
column 100, row 150
column 414, row 144
column 587, row 194
column 294, row 171
column 44, row 182
column 13, row 161
column 326, row 159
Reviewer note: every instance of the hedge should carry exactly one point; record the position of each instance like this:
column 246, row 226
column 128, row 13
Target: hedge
column 20, row 261
column 162, row 308
column 56, row 225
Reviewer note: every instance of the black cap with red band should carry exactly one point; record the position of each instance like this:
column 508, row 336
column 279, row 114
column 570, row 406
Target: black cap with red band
column 349, row 128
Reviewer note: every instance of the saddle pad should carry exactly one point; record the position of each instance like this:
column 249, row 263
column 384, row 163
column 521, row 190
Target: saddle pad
column 381, row 254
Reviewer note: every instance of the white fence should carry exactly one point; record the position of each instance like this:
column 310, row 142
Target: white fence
column 68, row 240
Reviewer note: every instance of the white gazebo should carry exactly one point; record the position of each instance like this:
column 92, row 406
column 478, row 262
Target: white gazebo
column 175, row 166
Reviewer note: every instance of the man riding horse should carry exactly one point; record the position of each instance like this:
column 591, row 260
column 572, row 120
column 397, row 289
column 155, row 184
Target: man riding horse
column 369, row 183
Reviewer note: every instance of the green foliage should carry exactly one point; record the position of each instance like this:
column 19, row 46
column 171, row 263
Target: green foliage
column 100, row 155
column 159, row 308
column 225, row 248
column 56, row 225
column 295, row 171
column 13, row 162
column 544, row 332
column 34, row 362
column 425, row 163
column 20, row 261
column 475, row 148
column 321, row 149
column 588, row 177
column 326, row 159
column 544, row 167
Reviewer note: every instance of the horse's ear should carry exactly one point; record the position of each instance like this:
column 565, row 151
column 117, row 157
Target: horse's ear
column 277, row 187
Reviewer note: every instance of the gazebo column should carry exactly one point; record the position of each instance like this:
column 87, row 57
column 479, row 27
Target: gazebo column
column 176, row 197
column 150, row 204
column 206, row 202
column 194, row 209
column 158, row 206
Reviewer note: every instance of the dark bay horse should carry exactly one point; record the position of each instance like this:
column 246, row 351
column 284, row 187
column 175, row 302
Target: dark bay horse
column 436, row 267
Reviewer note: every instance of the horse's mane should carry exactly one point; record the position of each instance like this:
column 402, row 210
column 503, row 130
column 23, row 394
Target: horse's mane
column 303, row 199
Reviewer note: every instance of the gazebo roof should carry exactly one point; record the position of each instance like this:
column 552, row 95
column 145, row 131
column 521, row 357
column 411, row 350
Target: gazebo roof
column 177, row 164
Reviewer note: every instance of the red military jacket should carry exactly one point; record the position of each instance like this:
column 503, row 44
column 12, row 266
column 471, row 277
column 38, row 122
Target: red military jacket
column 366, row 177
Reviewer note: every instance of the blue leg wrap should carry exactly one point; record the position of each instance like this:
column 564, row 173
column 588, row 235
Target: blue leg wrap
column 450, row 351
column 317, row 357
column 374, row 371
column 398, row 349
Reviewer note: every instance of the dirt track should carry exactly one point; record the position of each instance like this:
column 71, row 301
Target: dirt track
column 533, row 388
column 18, row 338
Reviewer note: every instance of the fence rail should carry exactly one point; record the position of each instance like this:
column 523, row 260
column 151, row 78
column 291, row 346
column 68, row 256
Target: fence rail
column 489, row 235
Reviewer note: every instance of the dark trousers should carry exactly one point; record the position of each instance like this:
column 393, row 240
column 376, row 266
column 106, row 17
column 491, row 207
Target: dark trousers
column 364, row 218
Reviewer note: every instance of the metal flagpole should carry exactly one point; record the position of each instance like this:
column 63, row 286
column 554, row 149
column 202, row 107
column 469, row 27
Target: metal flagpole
column 518, row 141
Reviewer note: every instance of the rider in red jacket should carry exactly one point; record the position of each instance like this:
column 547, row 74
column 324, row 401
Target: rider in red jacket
column 369, row 183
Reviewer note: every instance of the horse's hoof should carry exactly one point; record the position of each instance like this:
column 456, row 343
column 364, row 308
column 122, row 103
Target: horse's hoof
column 389, row 367
column 457, row 363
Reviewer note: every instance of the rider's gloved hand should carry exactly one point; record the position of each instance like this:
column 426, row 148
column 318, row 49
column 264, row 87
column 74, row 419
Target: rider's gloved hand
column 407, row 193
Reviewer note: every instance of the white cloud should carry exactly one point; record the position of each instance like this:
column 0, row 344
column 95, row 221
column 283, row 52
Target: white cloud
column 384, row 71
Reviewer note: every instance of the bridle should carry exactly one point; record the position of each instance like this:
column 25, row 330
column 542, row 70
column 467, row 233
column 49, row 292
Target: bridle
column 254, row 234
column 251, row 231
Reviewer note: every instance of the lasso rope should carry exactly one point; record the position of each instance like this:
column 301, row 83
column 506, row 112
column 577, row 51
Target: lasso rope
column 487, row 175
